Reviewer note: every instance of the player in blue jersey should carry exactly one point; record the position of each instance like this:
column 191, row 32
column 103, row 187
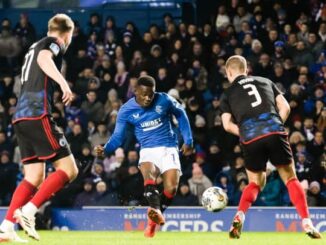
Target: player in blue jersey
column 150, row 114
column 254, row 109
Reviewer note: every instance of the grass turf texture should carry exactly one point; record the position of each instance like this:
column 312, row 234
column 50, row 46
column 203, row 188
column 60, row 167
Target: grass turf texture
column 171, row 238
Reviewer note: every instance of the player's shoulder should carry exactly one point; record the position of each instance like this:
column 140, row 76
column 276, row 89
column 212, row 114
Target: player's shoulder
column 164, row 97
column 261, row 79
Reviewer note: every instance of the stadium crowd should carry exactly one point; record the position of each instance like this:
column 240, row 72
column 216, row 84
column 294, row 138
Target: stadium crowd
column 282, row 40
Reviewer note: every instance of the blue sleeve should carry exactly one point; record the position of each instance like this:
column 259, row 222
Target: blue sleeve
column 181, row 115
column 118, row 135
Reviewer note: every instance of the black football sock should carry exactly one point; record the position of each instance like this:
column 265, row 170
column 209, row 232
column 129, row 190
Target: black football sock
column 152, row 194
column 166, row 200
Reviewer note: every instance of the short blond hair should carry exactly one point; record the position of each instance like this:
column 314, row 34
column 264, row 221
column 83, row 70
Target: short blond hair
column 61, row 23
column 236, row 62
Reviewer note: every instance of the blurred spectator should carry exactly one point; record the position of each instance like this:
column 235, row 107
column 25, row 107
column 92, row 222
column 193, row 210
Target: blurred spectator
column 86, row 197
column 303, row 167
column 272, row 194
column 314, row 197
column 93, row 108
column 121, row 80
column 101, row 136
column 8, row 172
column 94, row 24
column 198, row 183
column 184, row 197
column 10, row 48
column 130, row 195
column 105, row 197
column 222, row 19
column 75, row 138
column 25, row 30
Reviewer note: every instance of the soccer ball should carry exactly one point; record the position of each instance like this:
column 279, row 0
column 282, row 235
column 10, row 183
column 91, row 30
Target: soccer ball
column 214, row 199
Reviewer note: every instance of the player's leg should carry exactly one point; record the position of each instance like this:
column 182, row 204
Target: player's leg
column 281, row 157
column 249, row 195
column 34, row 176
column 170, row 183
column 255, row 163
column 151, row 193
column 49, row 144
column 298, row 198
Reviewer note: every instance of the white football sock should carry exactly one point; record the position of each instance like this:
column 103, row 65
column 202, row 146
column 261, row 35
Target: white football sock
column 30, row 209
column 7, row 225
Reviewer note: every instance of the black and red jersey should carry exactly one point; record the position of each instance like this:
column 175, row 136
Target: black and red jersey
column 35, row 99
column 251, row 101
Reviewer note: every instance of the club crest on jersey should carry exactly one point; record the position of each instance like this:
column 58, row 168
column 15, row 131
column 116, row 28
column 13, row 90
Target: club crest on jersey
column 55, row 48
column 135, row 116
column 158, row 109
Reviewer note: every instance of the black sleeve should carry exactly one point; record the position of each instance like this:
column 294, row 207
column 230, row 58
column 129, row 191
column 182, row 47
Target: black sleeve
column 224, row 104
column 276, row 90
column 53, row 45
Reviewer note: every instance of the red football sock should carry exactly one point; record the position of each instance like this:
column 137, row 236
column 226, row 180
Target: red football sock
column 52, row 184
column 298, row 197
column 23, row 193
column 248, row 196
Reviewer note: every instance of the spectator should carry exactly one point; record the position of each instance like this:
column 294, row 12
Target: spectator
column 130, row 195
column 105, row 197
column 198, row 183
column 314, row 197
column 8, row 173
column 75, row 138
column 121, row 80
column 10, row 48
column 272, row 193
column 93, row 108
column 184, row 197
column 222, row 19
column 25, row 30
column 101, row 136
column 86, row 197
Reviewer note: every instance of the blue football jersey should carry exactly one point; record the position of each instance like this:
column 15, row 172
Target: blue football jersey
column 152, row 125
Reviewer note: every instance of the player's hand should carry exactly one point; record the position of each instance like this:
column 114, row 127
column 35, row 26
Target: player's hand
column 187, row 150
column 99, row 151
column 67, row 96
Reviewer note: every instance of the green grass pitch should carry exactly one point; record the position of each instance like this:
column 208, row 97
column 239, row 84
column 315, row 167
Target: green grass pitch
column 171, row 238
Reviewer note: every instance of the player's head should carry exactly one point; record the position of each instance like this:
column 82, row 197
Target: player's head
column 145, row 90
column 235, row 65
column 61, row 26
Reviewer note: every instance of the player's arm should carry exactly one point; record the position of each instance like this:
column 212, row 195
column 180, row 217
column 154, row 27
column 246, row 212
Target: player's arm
column 117, row 137
column 184, row 126
column 226, row 115
column 229, row 125
column 46, row 63
column 283, row 107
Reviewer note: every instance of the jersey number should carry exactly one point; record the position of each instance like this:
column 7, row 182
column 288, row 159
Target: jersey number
column 27, row 65
column 253, row 91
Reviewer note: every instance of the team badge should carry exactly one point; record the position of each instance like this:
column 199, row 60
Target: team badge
column 55, row 48
column 62, row 142
column 158, row 109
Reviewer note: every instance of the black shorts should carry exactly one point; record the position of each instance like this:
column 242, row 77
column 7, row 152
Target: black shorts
column 40, row 140
column 275, row 148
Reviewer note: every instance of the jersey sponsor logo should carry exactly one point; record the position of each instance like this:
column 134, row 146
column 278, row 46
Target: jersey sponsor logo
column 136, row 116
column 55, row 48
column 150, row 125
column 158, row 109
